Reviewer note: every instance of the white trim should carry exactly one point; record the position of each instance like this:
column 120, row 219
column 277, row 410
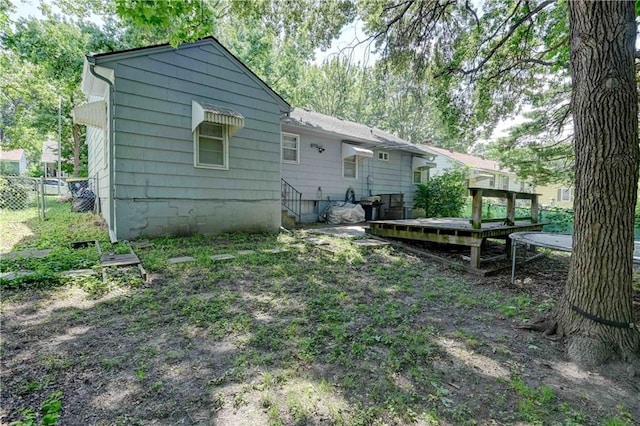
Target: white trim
column 297, row 139
column 352, row 150
column 217, row 115
column 225, row 148
column 91, row 114
column 419, row 162
column 355, row 160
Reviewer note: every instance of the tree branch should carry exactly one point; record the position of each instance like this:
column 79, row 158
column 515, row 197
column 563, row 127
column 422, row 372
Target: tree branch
column 504, row 39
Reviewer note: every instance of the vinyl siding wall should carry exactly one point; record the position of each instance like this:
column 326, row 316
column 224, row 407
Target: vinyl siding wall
column 324, row 170
column 98, row 160
column 157, row 188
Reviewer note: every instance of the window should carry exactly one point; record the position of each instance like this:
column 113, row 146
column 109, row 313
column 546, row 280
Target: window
column 492, row 181
column 565, row 194
column 350, row 167
column 420, row 175
column 383, row 156
column 211, row 146
column 504, row 182
column 290, row 148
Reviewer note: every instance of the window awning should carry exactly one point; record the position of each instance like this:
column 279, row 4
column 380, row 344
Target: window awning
column 419, row 163
column 215, row 114
column 351, row 150
column 91, row 114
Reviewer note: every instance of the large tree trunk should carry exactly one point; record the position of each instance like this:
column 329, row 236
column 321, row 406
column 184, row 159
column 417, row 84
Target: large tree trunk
column 596, row 312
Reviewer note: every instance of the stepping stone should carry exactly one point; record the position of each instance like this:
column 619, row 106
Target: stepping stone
column 370, row 243
column 182, row 259
column 28, row 253
column 14, row 275
column 222, row 257
column 79, row 273
column 317, row 241
column 275, row 250
column 245, row 252
column 142, row 244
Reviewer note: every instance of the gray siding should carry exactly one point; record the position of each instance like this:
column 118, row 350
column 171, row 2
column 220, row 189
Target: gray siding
column 324, row 170
column 158, row 190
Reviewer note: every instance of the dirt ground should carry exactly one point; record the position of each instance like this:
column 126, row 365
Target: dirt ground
column 126, row 358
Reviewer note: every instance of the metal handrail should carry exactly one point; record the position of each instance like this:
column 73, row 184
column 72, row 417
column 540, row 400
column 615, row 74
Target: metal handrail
column 291, row 198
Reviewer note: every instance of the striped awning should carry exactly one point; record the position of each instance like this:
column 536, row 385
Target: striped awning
column 215, row 114
column 351, row 150
column 91, row 114
column 419, row 163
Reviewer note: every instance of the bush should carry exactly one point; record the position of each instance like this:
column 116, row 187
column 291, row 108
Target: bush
column 444, row 195
column 12, row 196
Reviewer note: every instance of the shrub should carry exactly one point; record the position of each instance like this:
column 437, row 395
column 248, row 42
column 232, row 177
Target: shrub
column 443, row 195
column 12, row 196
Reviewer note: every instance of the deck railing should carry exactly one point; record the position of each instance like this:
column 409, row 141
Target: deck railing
column 291, row 199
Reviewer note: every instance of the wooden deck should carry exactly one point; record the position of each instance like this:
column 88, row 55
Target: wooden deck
column 450, row 231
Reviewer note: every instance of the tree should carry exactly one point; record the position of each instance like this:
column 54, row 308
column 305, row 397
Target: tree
column 498, row 62
column 443, row 195
column 596, row 311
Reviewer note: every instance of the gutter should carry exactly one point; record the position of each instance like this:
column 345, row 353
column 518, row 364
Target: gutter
column 112, row 213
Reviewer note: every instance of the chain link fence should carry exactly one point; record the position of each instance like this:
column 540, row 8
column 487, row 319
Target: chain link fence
column 20, row 196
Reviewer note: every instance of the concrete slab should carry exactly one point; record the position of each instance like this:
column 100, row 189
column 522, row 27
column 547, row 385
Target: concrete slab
column 79, row 273
column 14, row 275
column 277, row 250
column 181, row 259
column 370, row 243
column 37, row 254
column 348, row 231
column 317, row 241
column 245, row 252
column 222, row 257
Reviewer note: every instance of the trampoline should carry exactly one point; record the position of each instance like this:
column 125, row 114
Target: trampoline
column 560, row 242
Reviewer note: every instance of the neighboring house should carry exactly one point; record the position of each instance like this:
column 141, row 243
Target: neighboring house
column 482, row 173
column 323, row 157
column 556, row 196
column 13, row 163
column 182, row 140
column 49, row 158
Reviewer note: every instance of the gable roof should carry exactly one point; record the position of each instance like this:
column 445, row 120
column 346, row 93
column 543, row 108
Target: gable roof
column 349, row 131
column 466, row 159
column 13, row 155
column 138, row 51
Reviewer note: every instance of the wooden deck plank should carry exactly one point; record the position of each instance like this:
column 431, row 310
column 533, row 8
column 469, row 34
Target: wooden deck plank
column 454, row 231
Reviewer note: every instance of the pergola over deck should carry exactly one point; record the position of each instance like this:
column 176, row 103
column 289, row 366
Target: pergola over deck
column 464, row 232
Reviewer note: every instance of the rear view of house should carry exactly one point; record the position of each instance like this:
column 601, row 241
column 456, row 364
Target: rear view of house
column 182, row 140
column 330, row 159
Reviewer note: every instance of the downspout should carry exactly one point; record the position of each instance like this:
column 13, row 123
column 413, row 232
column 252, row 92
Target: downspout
column 112, row 190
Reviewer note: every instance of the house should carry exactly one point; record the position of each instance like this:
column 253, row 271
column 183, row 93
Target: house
column 325, row 158
column 13, row 163
column 556, row 196
column 482, row 173
column 182, row 140
column 49, row 158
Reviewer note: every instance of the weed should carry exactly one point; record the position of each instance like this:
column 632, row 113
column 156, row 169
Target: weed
column 49, row 411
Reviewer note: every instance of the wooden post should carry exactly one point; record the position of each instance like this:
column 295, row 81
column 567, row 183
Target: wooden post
column 534, row 208
column 511, row 208
column 476, row 211
column 475, row 257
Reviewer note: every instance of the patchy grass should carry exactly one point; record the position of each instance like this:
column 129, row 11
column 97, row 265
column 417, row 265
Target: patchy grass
column 354, row 337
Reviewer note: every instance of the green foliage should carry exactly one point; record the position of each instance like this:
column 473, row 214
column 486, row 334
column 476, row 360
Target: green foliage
column 443, row 195
column 13, row 196
column 49, row 411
